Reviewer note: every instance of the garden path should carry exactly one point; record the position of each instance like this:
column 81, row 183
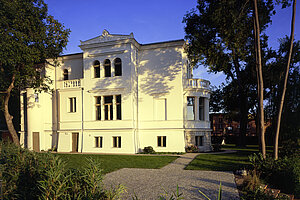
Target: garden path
column 151, row 183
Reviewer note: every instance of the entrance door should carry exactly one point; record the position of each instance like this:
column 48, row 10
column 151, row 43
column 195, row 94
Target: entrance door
column 75, row 142
column 36, row 141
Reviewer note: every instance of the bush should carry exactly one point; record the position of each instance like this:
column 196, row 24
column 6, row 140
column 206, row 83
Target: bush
column 31, row 175
column 192, row 149
column 148, row 149
column 216, row 147
column 283, row 174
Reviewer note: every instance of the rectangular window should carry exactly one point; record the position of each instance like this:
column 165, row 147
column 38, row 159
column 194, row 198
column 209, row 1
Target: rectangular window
column 108, row 107
column 72, row 102
column 117, row 142
column 98, row 108
column 161, row 141
column 201, row 108
column 36, row 97
column 98, row 142
column 190, row 108
column 119, row 108
column 199, row 140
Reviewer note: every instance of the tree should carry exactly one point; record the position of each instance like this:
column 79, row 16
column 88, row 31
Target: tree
column 285, row 81
column 260, row 82
column 28, row 37
column 221, row 37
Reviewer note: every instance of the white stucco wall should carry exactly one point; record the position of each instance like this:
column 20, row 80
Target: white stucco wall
column 153, row 88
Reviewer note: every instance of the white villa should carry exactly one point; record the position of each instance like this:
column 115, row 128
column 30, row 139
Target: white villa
column 119, row 96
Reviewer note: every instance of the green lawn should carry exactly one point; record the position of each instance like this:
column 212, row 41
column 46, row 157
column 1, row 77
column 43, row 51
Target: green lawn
column 111, row 163
column 224, row 162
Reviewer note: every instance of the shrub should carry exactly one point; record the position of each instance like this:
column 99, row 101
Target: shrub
column 31, row 175
column 283, row 174
column 216, row 147
column 148, row 149
column 192, row 149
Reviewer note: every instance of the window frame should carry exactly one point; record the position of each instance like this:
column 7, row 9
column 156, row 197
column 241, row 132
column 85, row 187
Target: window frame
column 107, row 68
column 161, row 141
column 98, row 107
column 199, row 140
column 66, row 74
column 187, row 104
column 110, row 108
column 118, row 107
column 96, row 66
column 118, row 66
column 72, row 105
column 117, row 142
column 201, row 109
column 98, row 141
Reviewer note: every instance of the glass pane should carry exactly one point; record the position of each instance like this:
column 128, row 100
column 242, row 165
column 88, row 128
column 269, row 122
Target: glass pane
column 108, row 99
column 190, row 108
column 119, row 111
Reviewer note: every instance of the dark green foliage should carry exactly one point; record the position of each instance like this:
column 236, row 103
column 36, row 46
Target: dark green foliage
column 283, row 173
column 216, row 147
column 192, row 149
column 221, row 37
column 28, row 37
column 148, row 150
column 30, row 175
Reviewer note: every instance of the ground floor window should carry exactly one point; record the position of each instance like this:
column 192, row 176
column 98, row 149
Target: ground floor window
column 161, row 141
column 98, row 141
column 117, row 142
column 199, row 140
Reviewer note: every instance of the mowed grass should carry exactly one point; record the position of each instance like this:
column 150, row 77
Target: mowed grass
column 224, row 162
column 111, row 163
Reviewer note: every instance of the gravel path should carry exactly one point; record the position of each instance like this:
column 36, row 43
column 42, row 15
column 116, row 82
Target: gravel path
column 150, row 183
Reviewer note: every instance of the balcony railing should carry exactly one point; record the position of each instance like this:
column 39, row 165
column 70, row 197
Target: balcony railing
column 197, row 83
column 72, row 83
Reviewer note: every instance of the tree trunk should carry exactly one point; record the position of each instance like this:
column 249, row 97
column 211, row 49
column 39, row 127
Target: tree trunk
column 285, row 82
column 243, row 118
column 260, row 85
column 8, row 117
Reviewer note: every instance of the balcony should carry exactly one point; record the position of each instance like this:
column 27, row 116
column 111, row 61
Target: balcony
column 197, row 83
column 76, row 83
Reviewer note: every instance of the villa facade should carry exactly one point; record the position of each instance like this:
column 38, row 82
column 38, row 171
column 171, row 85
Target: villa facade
column 118, row 96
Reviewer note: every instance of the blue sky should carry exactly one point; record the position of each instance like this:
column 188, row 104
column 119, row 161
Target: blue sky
column 150, row 21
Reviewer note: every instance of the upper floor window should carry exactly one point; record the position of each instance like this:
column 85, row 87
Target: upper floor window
column 98, row 108
column 72, row 104
column 107, row 68
column 190, row 108
column 36, row 97
column 108, row 107
column 96, row 69
column 118, row 67
column 201, row 108
column 66, row 74
column 119, row 108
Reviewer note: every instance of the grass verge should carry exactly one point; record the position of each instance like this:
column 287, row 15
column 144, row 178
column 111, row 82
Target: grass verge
column 224, row 162
column 111, row 163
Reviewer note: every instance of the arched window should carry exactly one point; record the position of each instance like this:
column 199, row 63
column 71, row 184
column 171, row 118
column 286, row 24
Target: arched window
column 107, row 68
column 66, row 74
column 118, row 67
column 96, row 69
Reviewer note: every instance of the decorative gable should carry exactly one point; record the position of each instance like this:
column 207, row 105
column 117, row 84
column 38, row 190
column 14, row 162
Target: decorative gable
column 106, row 37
